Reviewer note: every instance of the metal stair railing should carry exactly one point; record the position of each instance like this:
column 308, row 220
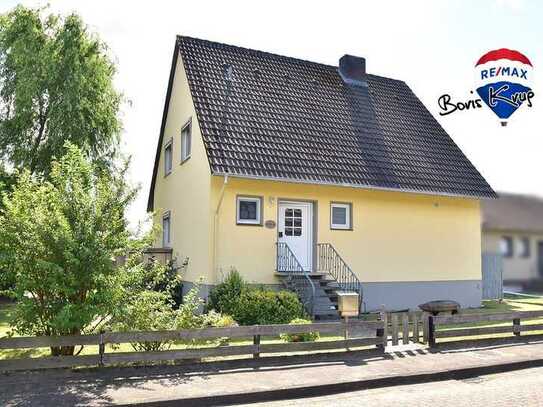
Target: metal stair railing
column 329, row 261
column 296, row 278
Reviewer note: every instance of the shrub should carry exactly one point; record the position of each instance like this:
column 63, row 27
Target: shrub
column 301, row 337
column 216, row 320
column 148, row 311
column 264, row 307
column 224, row 297
column 250, row 306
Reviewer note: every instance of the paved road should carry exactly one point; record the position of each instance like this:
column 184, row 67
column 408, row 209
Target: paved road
column 311, row 375
column 517, row 388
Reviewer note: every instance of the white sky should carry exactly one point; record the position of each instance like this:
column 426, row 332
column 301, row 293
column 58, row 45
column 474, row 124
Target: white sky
column 433, row 46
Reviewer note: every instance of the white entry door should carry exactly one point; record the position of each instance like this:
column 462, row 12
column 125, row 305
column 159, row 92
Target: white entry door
column 295, row 228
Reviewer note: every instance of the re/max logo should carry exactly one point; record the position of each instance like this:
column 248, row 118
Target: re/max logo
column 504, row 71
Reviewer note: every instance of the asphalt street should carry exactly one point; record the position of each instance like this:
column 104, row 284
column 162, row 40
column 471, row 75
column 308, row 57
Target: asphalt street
column 516, row 388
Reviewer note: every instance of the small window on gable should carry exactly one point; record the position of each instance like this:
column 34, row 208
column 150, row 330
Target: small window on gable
column 524, row 247
column 249, row 210
column 166, row 230
column 340, row 216
column 186, row 141
column 168, row 158
column 506, row 246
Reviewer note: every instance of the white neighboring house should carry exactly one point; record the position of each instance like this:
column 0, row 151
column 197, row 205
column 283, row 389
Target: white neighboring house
column 513, row 227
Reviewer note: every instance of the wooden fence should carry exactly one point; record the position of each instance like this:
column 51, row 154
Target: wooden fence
column 406, row 327
column 444, row 326
column 356, row 333
column 388, row 328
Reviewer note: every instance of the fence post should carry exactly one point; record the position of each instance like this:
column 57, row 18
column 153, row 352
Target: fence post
column 405, row 328
column 382, row 332
column 394, row 326
column 516, row 326
column 101, row 348
column 416, row 338
column 431, row 332
column 424, row 327
column 256, row 341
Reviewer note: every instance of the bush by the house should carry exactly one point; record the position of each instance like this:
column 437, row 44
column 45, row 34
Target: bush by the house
column 251, row 306
column 224, row 298
column 262, row 307
column 300, row 337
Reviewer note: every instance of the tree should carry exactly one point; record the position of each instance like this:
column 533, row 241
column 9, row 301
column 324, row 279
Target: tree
column 58, row 241
column 56, row 85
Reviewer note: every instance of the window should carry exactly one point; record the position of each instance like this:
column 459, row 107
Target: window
column 340, row 216
column 166, row 230
column 249, row 210
column 524, row 247
column 186, row 141
column 168, row 158
column 506, row 246
column 293, row 222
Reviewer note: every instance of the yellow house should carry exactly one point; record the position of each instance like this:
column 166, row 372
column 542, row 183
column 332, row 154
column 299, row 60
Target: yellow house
column 314, row 177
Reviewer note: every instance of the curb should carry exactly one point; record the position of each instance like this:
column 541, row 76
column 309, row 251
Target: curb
column 344, row 387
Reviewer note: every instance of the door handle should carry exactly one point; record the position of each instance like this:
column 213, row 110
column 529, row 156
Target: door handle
column 280, row 234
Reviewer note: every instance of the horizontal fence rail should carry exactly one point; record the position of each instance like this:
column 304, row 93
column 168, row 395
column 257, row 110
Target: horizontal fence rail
column 357, row 333
column 453, row 326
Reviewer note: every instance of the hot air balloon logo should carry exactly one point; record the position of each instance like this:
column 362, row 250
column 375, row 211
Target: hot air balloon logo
column 504, row 81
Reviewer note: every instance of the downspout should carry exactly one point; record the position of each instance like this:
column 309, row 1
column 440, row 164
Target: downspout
column 216, row 228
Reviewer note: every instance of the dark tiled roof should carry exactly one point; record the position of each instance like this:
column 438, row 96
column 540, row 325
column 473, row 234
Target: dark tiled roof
column 296, row 120
column 512, row 212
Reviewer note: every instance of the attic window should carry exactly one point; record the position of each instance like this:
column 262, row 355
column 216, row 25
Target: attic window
column 168, row 158
column 186, row 141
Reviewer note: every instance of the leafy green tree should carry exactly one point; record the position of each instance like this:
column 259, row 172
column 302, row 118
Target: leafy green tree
column 58, row 241
column 56, row 85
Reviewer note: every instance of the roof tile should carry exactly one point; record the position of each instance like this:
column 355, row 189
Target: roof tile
column 297, row 120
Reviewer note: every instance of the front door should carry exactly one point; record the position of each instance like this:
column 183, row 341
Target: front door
column 540, row 258
column 295, row 228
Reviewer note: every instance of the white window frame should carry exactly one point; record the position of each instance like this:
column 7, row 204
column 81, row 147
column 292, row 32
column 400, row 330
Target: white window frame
column 186, row 139
column 168, row 170
column 167, row 216
column 507, row 246
column 348, row 225
column 524, row 251
column 258, row 220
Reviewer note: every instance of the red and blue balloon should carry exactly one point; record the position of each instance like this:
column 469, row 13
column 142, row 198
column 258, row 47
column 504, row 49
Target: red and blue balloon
column 504, row 81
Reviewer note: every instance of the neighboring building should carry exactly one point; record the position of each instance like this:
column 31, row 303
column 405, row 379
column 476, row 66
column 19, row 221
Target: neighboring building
column 270, row 165
column 513, row 226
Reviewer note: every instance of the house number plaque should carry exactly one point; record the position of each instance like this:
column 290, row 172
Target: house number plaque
column 270, row 224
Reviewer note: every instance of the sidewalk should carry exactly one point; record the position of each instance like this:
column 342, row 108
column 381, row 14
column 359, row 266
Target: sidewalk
column 268, row 379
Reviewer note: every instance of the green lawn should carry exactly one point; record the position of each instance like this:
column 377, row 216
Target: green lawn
column 511, row 303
